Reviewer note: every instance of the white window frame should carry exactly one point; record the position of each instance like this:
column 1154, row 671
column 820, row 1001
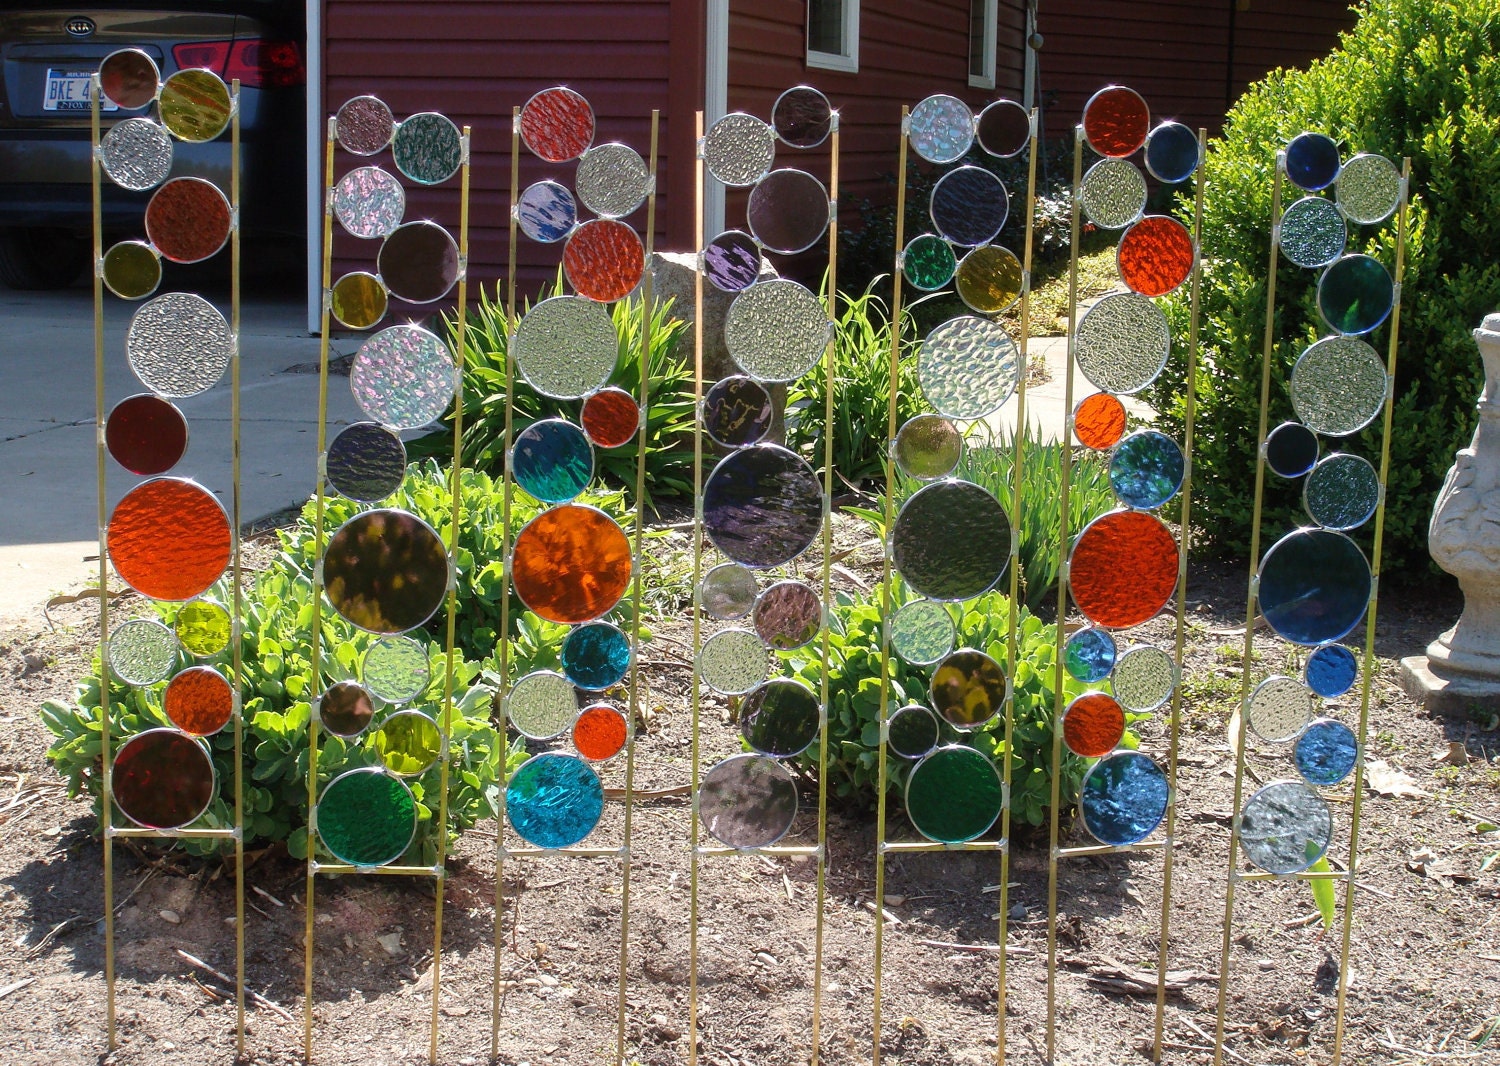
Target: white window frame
column 986, row 80
column 846, row 61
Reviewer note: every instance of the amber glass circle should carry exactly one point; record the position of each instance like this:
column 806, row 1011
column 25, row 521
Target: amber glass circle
column 1099, row 421
column 599, row 733
column 358, row 300
column 187, row 220
column 1003, row 128
column 1123, row 568
column 1093, row 725
column 989, row 279
column 146, row 434
column 419, row 262
column 557, row 125
column 386, row 571
column 169, row 539
column 129, row 78
column 604, row 260
column 1116, row 121
column 199, row 701
column 345, row 709
column 163, row 779
column 364, row 125
column 132, row 270
column 195, row 105
column 571, row 564
column 610, row 418
column 1155, row 255
column 968, row 689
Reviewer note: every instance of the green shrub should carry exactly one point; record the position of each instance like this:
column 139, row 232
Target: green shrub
column 1418, row 78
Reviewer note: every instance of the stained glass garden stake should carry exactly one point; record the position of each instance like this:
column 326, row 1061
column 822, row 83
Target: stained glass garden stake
column 696, row 692
column 237, row 654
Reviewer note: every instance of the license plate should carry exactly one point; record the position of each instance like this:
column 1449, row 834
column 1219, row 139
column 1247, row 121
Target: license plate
column 68, row 90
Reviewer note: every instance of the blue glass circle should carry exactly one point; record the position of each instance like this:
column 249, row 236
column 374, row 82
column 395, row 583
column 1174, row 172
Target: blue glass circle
column 1325, row 752
column 595, row 656
column 1124, row 798
column 554, row 800
column 1146, row 469
column 1331, row 671
column 1312, row 161
column 1171, row 152
column 1314, row 586
column 552, row 460
column 546, row 212
column 1291, row 450
column 1090, row 655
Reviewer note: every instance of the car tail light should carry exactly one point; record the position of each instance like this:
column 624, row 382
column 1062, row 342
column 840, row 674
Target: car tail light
column 256, row 63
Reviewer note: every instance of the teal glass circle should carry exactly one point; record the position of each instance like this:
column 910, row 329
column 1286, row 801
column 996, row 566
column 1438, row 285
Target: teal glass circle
column 1146, row 470
column 954, row 795
column 554, row 800
column 1090, row 655
column 1313, row 232
column 367, row 817
column 929, row 262
column 552, row 460
column 1341, row 492
column 427, row 148
column 595, row 656
column 1356, row 294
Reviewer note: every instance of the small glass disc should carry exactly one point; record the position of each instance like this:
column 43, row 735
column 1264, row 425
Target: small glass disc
column 163, row 779
column 747, row 801
column 1341, row 492
column 1093, row 725
column 403, row 377
column 1123, row 568
column 802, row 117
column 1325, row 753
column 928, row 447
column 731, row 262
column 1369, row 189
column 202, row 627
column 146, row 434
column 951, row 541
column 728, row 591
column 604, row 260
column 1123, row 798
column 1314, row 586
column 969, row 206
column 1090, row 655
column 780, row 718
column 610, row 418
column 366, row 817
column 418, row 262
column 427, row 148
column 738, row 149
column 358, row 300
column 366, row 462
column 941, row 129
column 733, row 661
column 188, row 220
column 557, row 125
column 385, row 571
column 1003, row 129
column 776, row 330
column 1285, row 827
column 1099, row 421
column 595, row 656
column 1338, row 386
column 542, row 705
column 345, row 709
column 571, row 563
column 1291, row 450
column 132, row 270
column 142, row 651
column 1172, row 152
column 1313, row 232
column 928, row 263
column 1312, row 161
column 968, row 367
column 129, row 78
column 408, row 742
column 1278, row 709
column 1122, row 343
column 1116, row 121
column 788, row 211
column 1155, row 255
column 612, row 180
column 1331, row 671
column 954, row 794
column 737, row 411
column 369, row 202
column 1146, row 470
column 566, row 347
column 552, row 460
column 546, row 212
column 762, row 506
column 922, row 632
column 364, row 125
column 194, row 105
column 396, row 669
column 600, row 732
column 990, row 279
column 1113, row 193
column 136, row 154
column 169, row 539
column 1356, row 294
column 913, row 731
column 198, row 701
column 968, row 689
column 1144, row 678
column 788, row 615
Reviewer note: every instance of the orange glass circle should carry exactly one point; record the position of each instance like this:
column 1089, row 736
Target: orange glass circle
column 1123, row 569
column 610, row 418
column 1155, row 255
column 571, row 564
column 187, row 219
column 1093, row 725
column 599, row 733
column 1116, row 121
column 604, row 260
column 199, row 701
column 169, row 539
column 1099, row 421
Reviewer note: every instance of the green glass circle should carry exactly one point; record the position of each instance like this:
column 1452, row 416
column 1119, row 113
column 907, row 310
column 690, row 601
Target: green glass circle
column 427, row 148
column 929, row 262
column 922, row 632
column 953, row 795
column 913, row 731
column 407, row 742
column 928, row 447
column 1356, row 294
column 366, row 817
column 202, row 627
column 396, row 669
column 1342, row 491
column 132, row 270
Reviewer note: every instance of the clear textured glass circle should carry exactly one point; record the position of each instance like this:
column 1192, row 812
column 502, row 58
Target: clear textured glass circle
column 566, row 347
column 369, row 202
column 136, row 154
column 968, row 367
column 403, row 377
column 733, row 661
column 941, row 128
column 1338, row 386
column 1369, row 189
column 738, row 149
column 922, row 632
column 396, row 669
column 1285, row 827
column 1144, row 678
column 776, row 330
column 1122, row 343
column 612, row 180
column 178, row 345
column 1278, row 709
column 142, row 651
column 1113, row 193
column 1313, row 232
column 542, row 705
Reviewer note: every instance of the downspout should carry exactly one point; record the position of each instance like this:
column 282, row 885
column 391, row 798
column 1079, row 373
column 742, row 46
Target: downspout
column 316, row 135
column 715, row 98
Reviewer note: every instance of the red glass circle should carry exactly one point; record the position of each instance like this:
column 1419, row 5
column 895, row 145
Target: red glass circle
column 599, row 733
column 610, row 418
column 146, row 434
column 557, row 125
column 604, row 260
column 199, row 701
column 1123, row 569
column 169, row 539
column 1116, row 121
column 163, row 779
column 1155, row 255
column 187, row 219
column 571, row 564
column 1099, row 421
column 1093, row 725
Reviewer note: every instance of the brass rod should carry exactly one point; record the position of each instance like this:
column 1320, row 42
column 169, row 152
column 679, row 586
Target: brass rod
column 1300, row 875
column 170, row 834
column 236, row 595
column 774, row 849
column 1110, row 849
column 576, row 853
column 695, row 691
column 917, row 846
column 387, row 871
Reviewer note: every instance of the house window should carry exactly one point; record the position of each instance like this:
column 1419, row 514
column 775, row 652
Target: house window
column 833, row 34
column 982, row 16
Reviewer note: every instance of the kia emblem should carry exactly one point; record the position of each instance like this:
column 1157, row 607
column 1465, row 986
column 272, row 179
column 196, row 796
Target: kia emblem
column 79, row 26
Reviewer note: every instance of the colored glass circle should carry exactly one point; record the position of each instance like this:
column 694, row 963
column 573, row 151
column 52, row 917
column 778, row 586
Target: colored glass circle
column 941, row 129
column 1122, row 343
column 1116, row 121
column 928, row 262
column 427, row 148
column 198, row 701
column 366, row 817
column 1369, row 189
column 554, row 800
column 776, row 330
column 188, row 220
column 142, row 651
column 728, row 591
column 913, row 731
column 953, row 795
column 366, row 462
column 1312, row 161
column 345, row 709
column 1313, row 232
column 928, row 447
column 552, row 460
column 737, row 411
column 1278, row 709
column 951, row 541
column 595, row 656
column 1144, row 678
column 1356, row 294
column 990, row 279
column 1093, row 725
column 132, row 270
column 733, row 661
column 169, row 539
column 1155, row 255
column 788, row 615
column 969, row 206
column 1172, row 152
column 136, row 154
column 1123, row 568
column 129, row 78
column 968, row 367
column 1314, row 586
column 1325, row 753
column 1003, row 129
column 1338, row 386
column 600, row 732
column 731, row 262
column 1341, row 492
column 203, row 628
column 566, row 347
column 610, row 418
column 802, row 117
column 542, row 705
column 358, row 300
column 922, row 632
column 163, row 779
column 385, row 571
column 1113, row 193
column 369, row 202
column 968, row 689
column 1090, row 655
column 738, row 149
column 1146, row 469
column 195, row 105
column 1285, row 827
column 1123, row 798
column 1099, row 421
column 408, row 742
column 571, row 563
column 762, row 506
column 557, row 125
column 364, row 125
column 1331, row 670
column 395, row 669
column 747, row 801
column 418, row 262
column 788, row 211
column 780, row 718
column 604, row 260
column 403, row 377
column 146, row 434
column 1291, row 450
column 545, row 212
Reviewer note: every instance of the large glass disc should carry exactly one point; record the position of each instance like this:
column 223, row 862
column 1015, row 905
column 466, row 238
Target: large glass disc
column 788, row 615
column 358, row 300
column 1093, row 725
column 557, row 125
column 1331, row 671
column 129, row 78
column 969, row 206
column 1312, row 161
column 728, row 591
column 188, row 220
column 922, row 632
column 737, row 411
column 1116, row 121
column 604, row 260
column 951, row 541
column 1369, row 189
column 941, row 129
column 1338, row 386
column 1146, row 469
column 1326, row 752
column 600, row 732
column 968, row 689
column 203, row 628
column 369, row 202
column 407, row 743
column 747, row 801
column 366, row 462
column 1003, row 129
column 1314, row 586
column 595, row 656
column 1122, row 343
column 146, row 434
column 1123, row 798
column 367, row 817
column 610, row 418
column 195, row 105
column 1285, row 827
column 142, row 651
column 928, row 447
column 780, row 718
column 990, row 279
column 364, row 125
column 418, row 262
column 788, row 211
column 571, row 563
column 731, row 262
column 132, row 270
column 1090, row 655
column 1313, row 233
column 733, row 661
column 776, row 330
column 1356, row 294
column 403, row 377
column 386, row 571
column 968, row 367
column 546, row 212
column 1144, row 678
column 928, row 262
column 762, row 506
column 1341, row 492
column 552, row 460
column 802, row 117
column 1123, row 568
column 345, row 709
column 163, row 779
column 1172, row 152
column 136, row 154
column 612, row 180
column 913, row 731
column 396, row 669
column 169, row 539
column 954, row 794
column 1099, row 421
column 566, row 347
column 427, row 148
column 738, row 149
column 1155, row 255
column 542, row 705
column 1278, row 709
column 1113, row 193
column 1291, row 450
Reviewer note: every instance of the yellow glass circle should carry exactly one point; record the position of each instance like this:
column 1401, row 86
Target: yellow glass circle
column 359, row 300
column 989, row 279
column 408, row 742
column 132, row 270
column 195, row 105
column 202, row 627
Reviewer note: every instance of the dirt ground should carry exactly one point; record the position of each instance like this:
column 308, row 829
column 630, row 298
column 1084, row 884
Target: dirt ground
column 1425, row 980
